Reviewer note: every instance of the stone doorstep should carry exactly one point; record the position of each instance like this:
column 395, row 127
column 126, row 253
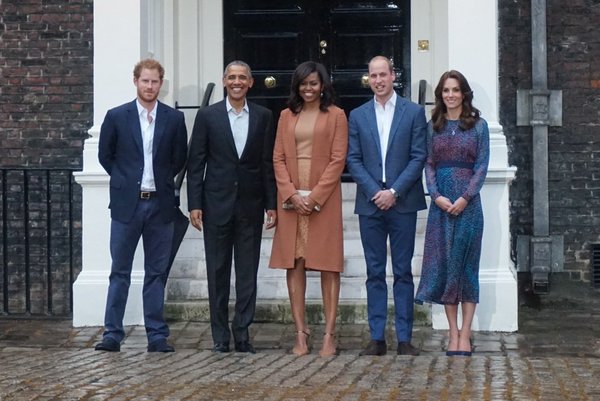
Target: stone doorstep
column 276, row 311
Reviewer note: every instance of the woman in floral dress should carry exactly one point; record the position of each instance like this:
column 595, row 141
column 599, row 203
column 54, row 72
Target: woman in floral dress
column 457, row 162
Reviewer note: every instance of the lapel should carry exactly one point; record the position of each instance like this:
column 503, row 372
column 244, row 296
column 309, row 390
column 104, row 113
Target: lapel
column 133, row 121
column 159, row 126
column 398, row 112
column 223, row 118
column 372, row 124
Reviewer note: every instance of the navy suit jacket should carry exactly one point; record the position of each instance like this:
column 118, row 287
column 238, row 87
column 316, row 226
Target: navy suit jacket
column 219, row 181
column 121, row 154
column 405, row 157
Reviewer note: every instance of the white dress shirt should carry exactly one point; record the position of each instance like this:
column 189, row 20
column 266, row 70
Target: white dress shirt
column 147, row 123
column 385, row 115
column 239, row 125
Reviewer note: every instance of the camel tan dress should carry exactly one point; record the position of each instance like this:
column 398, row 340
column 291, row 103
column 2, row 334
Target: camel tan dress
column 305, row 128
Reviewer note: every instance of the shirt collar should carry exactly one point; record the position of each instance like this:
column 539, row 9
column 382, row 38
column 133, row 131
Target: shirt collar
column 390, row 102
column 141, row 109
column 230, row 107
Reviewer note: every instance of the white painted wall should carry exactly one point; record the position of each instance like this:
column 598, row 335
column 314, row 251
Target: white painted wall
column 463, row 36
column 114, row 59
column 179, row 34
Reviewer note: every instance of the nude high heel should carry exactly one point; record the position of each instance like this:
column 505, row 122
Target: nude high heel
column 328, row 352
column 300, row 352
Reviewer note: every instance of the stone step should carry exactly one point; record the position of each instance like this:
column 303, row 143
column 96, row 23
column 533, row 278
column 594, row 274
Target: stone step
column 191, row 255
column 187, row 291
column 279, row 312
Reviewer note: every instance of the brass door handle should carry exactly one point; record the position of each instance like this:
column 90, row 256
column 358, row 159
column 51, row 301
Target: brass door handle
column 364, row 81
column 270, row 82
column 323, row 46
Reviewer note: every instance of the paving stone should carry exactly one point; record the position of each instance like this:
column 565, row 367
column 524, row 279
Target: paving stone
column 554, row 356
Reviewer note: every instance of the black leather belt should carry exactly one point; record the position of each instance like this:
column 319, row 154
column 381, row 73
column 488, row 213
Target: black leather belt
column 145, row 195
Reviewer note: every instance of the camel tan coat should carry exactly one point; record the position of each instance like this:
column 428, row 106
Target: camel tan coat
column 325, row 247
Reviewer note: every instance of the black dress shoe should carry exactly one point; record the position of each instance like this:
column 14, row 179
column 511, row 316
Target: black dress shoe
column 407, row 349
column 160, row 346
column 221, row 347
column 374, row 347
column 244, row 346
column 108, row 344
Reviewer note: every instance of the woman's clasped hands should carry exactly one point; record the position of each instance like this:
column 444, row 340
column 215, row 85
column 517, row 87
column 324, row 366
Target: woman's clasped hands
column 303, row 205
column 455, row 208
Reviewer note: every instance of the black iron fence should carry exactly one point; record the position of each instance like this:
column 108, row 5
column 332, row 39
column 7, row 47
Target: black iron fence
column 41, row 241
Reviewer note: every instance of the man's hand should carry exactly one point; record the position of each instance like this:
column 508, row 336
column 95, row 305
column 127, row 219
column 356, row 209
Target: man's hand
column 196, row 218
column 271, row 219
column 384, row 199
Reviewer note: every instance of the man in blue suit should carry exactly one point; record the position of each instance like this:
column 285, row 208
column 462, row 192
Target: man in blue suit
column 142, row 146
column 386, row 155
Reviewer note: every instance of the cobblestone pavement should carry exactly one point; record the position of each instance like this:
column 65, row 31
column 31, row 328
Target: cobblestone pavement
column 554, row 356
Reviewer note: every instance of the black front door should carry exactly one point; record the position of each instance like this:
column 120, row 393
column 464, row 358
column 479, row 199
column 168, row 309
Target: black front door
column 274, row 36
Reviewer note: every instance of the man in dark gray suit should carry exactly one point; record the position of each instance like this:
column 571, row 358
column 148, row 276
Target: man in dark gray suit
column 386, row 154
column 142, row 146
column 230, row 186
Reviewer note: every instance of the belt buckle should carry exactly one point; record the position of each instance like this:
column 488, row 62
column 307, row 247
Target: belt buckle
column 144, row 195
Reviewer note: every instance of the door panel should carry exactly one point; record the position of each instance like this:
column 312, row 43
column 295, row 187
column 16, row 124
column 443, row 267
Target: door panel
column 274, row 36
column 271, row 37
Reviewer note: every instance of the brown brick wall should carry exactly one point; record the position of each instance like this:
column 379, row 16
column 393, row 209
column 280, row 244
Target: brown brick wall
column 46, row 100
column 46, row 93
column 574, row 148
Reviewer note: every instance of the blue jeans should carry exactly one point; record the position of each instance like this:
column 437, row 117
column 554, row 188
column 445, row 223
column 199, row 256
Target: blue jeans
column 157, row 240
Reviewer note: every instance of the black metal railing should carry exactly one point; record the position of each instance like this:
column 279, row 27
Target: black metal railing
column 41, row 237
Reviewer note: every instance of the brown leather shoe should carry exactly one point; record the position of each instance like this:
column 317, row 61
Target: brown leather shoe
column 407, row 349
column 374, row 347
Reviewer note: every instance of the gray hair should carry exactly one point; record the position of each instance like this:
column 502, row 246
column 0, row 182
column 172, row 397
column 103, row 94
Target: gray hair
column 241, row 64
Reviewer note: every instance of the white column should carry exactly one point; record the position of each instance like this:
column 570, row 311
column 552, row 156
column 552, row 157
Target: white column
column 467, row 41
column 117, row 47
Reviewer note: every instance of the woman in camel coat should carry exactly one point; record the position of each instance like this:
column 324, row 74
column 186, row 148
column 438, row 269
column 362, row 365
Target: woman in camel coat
column 309, row 154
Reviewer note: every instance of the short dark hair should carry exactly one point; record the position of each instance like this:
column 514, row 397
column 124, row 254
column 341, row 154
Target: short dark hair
column 295, row 101
column 239, row 63
column 149, row 64
column 469, row 115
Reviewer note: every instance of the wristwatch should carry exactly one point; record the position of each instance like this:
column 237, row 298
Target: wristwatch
column 393, row 191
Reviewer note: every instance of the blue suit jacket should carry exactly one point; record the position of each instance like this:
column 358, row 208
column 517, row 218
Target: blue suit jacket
column 405, row 157
column 120, row 153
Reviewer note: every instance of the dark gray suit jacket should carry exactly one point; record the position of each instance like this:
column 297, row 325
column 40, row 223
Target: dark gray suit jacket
column 218, row 180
